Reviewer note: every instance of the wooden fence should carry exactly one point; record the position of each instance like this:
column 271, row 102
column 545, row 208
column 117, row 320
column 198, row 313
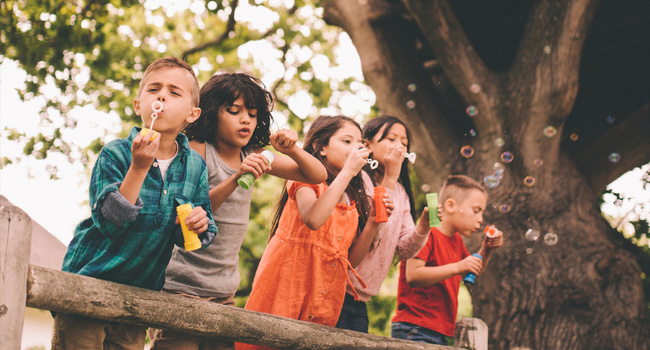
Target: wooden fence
column 23, row 285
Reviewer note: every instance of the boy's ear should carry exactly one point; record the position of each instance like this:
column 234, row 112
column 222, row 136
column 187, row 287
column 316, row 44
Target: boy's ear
column 449, row 206
column 136, row 106
column 194, row 115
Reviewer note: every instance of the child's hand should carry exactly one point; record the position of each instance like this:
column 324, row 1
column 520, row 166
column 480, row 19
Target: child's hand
column 256, row 164
column 423, row 225
column 284, row 140
column 495, row 241
column 393, row 161
column 390, row 206
column 143, row 151
column 356, row 159
column 197, row 220
column 470, row 264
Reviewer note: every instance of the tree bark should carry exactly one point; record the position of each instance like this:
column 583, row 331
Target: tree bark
column 543, row 293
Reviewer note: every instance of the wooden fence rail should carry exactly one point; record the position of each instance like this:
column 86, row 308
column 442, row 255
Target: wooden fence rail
column 23, row 284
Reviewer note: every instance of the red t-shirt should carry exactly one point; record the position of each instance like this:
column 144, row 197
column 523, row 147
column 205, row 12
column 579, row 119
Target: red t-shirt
column 435, row 306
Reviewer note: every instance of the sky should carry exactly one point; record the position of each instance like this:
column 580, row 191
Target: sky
column 59, row 205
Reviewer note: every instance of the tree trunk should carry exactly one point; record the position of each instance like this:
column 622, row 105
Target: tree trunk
column 563, row 285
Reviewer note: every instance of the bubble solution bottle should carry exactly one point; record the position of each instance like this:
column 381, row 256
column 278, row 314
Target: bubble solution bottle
column 246, row 180
column 432, row 203
column 191, row 239
column 470, row 277
column 380, row 207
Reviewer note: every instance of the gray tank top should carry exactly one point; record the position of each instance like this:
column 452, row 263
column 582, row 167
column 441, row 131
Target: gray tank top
column 212, row 271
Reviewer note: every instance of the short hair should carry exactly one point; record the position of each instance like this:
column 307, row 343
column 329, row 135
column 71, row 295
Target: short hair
column 458, row 187
column 173, row 62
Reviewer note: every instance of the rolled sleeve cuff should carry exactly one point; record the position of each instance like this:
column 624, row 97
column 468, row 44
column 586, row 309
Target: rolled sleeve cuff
column 118, row 210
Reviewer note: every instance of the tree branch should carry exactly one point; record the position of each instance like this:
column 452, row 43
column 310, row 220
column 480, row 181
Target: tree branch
column 387, row 45
column 630, row 135
column 230, row 26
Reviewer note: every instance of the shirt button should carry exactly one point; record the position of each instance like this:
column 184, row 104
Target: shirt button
column 94, row 205
column 342, row 212
column 311, row 317
column 155, row 164
column 333, row 264
column 324, row 291
column 340, row 237
column 165, row 192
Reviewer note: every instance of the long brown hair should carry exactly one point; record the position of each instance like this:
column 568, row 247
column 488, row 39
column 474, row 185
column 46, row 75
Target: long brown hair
column 317, row 137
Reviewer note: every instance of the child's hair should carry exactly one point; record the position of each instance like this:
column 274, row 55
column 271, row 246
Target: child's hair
column 173, row 62
column 220, row 92
column 318, row 136
column 457, row 187
column 370, row 129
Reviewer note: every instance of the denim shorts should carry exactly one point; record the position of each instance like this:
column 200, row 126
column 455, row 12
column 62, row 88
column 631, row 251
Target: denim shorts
column 409, row 331
column 354, row 315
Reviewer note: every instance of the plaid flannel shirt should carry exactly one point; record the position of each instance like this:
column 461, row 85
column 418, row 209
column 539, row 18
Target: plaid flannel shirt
column 132, row 244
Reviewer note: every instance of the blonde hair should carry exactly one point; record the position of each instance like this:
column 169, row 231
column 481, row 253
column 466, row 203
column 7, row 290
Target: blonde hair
column 457, row 187
column 173, row 62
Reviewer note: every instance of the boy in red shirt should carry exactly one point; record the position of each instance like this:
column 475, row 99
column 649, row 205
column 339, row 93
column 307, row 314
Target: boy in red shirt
column 427, row 299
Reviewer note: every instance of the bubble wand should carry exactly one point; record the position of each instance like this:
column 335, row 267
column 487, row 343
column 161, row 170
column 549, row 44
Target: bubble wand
column 410, row 157
column 157, row 107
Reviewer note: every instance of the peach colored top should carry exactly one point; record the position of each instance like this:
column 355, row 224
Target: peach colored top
column 303, row 273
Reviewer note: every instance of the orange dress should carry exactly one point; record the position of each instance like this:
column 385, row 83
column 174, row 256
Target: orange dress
column 303, row 273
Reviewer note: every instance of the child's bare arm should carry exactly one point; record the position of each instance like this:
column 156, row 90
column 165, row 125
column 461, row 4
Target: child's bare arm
column 143, row 153
column 420, row 275
column 300, row 165
column 315, row 211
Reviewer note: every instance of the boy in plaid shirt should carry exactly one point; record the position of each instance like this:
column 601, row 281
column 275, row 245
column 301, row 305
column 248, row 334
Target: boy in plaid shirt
column 136, row 185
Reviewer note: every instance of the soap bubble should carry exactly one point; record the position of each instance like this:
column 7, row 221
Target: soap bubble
column 410, row 104
column 412, row 87
column 499, row 142
column 507, row 157
column 547, row 49
column 532, row 234
column 467, row 151
column 472, row 132
column 475, row 88
column 491, row 181
column 550, row 131
column 498, row 166
column 573, row 137
column 609, row 119
column 425, row 188
column 529, row 250
column 550, row 238
column 614, row 157
column 471, row 111
column 504, row 208
column 538, row 162
column 529, row 181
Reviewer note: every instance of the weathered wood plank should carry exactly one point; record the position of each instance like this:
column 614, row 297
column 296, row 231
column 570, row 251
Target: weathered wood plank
column 69, row 293
column 15, row 244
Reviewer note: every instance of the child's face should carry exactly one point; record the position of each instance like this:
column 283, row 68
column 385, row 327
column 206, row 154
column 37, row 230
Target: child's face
column 173, row 88
column 236, row 124
column 467, row 216
column 396, row 138
column 344, row 141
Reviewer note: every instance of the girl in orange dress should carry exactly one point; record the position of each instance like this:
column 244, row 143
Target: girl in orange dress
column 319, row 232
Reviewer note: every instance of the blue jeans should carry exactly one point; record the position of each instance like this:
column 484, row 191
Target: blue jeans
column 354, row 315
column 409, row 331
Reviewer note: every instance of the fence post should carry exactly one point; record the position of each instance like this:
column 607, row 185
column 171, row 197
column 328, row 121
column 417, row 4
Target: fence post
column 15, row 245
column 471, row 333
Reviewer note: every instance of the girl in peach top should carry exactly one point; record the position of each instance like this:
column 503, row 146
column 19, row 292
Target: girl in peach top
column 319, row 232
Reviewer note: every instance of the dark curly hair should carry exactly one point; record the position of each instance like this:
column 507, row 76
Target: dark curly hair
column 220, row 92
